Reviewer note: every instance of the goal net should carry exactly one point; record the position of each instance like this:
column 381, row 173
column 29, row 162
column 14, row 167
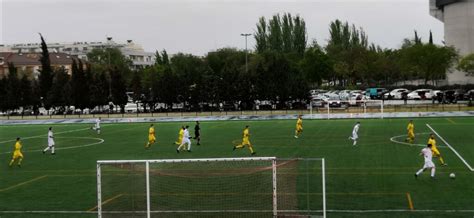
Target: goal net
column 334, row 109
column 234, row 187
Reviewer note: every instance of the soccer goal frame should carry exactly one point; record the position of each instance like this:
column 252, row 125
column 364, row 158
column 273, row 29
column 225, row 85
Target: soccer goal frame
column 348, row 104
column 147, row 163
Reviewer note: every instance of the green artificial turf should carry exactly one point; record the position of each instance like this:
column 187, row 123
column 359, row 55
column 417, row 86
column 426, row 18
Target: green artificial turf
column 374, row 179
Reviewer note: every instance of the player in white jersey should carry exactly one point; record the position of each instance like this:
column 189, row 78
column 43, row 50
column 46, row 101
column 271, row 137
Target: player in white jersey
column 428, row 155
column 97, row 125
column 185, row 141
column 355, row 135
column 50, row 141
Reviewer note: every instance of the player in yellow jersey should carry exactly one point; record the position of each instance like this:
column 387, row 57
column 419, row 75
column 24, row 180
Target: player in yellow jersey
column 411, row 132
column 17, row 155
column 299, row 126
column 151, row 136
column 435, row 150
column 246, row 141
column 180, row 136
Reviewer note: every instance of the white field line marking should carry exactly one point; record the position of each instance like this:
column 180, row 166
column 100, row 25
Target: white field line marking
column 23, row 183
column 44, row 135
column 99, row 141
column 405, row 143
column 452, row 149
column 235, row 211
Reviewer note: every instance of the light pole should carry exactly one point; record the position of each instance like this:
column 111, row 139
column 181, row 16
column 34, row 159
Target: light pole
column 246, row 51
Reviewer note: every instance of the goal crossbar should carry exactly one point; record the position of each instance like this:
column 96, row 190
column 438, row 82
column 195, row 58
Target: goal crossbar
column 187, row 160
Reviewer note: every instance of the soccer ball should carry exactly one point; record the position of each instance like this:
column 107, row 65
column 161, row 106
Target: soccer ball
column 452, row 176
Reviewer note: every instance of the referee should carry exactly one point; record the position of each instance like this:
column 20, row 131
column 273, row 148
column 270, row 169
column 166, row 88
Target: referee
column 197, row 133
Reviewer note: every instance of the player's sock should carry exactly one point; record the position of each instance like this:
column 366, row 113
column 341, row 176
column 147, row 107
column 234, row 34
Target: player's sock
column 355, row 143
column 441, row 160
column 46, row 149
column 98, row 132
column 52, row 150
column 189, row 146
column 11, row 162
column 419, row 172
column 251, row 150
column 19, row 161
column 433, row 170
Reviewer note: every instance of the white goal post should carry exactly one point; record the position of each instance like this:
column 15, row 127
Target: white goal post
column 274, row 180
column 347, row 109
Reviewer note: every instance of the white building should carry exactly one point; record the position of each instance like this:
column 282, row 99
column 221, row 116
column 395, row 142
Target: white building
column 458, row 19
column 135, row 52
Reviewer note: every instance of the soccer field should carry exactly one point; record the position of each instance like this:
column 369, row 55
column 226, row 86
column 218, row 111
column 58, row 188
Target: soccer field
column 373, row 179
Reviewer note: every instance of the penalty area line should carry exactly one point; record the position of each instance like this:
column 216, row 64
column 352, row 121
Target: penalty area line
column 23, row 183
column 410, row 202
column 106, row 201
column 451, row 147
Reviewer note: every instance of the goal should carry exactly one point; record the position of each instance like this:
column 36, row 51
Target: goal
column 334, row 109
column 214, row 187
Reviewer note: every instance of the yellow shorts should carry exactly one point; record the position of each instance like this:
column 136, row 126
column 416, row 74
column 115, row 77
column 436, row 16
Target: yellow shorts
column 299, row 129
column 151, row 138
column 411, row 135
column 435, row 152
column 17, row 154
column 246, row 141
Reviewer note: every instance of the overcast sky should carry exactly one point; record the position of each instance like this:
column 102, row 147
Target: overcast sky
column 198, row 26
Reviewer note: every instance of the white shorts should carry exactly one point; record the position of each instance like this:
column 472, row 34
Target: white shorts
column 354, row 135
column 186, row 141
column 50, row 143
column 428, row 164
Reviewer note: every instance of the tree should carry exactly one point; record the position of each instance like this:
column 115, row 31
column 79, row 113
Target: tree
column 284, row 33
column 46, row 73
column 299, row 35
column 3, row 94
column 118, row 89
column 427, row 61
column 59, row 95
column 80, row 87
column 104, row 60
column 261, row 41
column 99, row 90
column 315, row 65
column 136, row 87
column 13, row 88
column 275, row 40
column 431, row 38
column 26, row 93
column 348, row 50
column 467, row 64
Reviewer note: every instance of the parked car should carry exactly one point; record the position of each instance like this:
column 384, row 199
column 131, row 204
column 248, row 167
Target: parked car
column 470, row 94
column 421, row 94
column 452, row 96
column 395, row 94
column 335, row 101
column 356, row 99
column 375, row 93
column 317, row 101
column 314, row 92
column 344, row 94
